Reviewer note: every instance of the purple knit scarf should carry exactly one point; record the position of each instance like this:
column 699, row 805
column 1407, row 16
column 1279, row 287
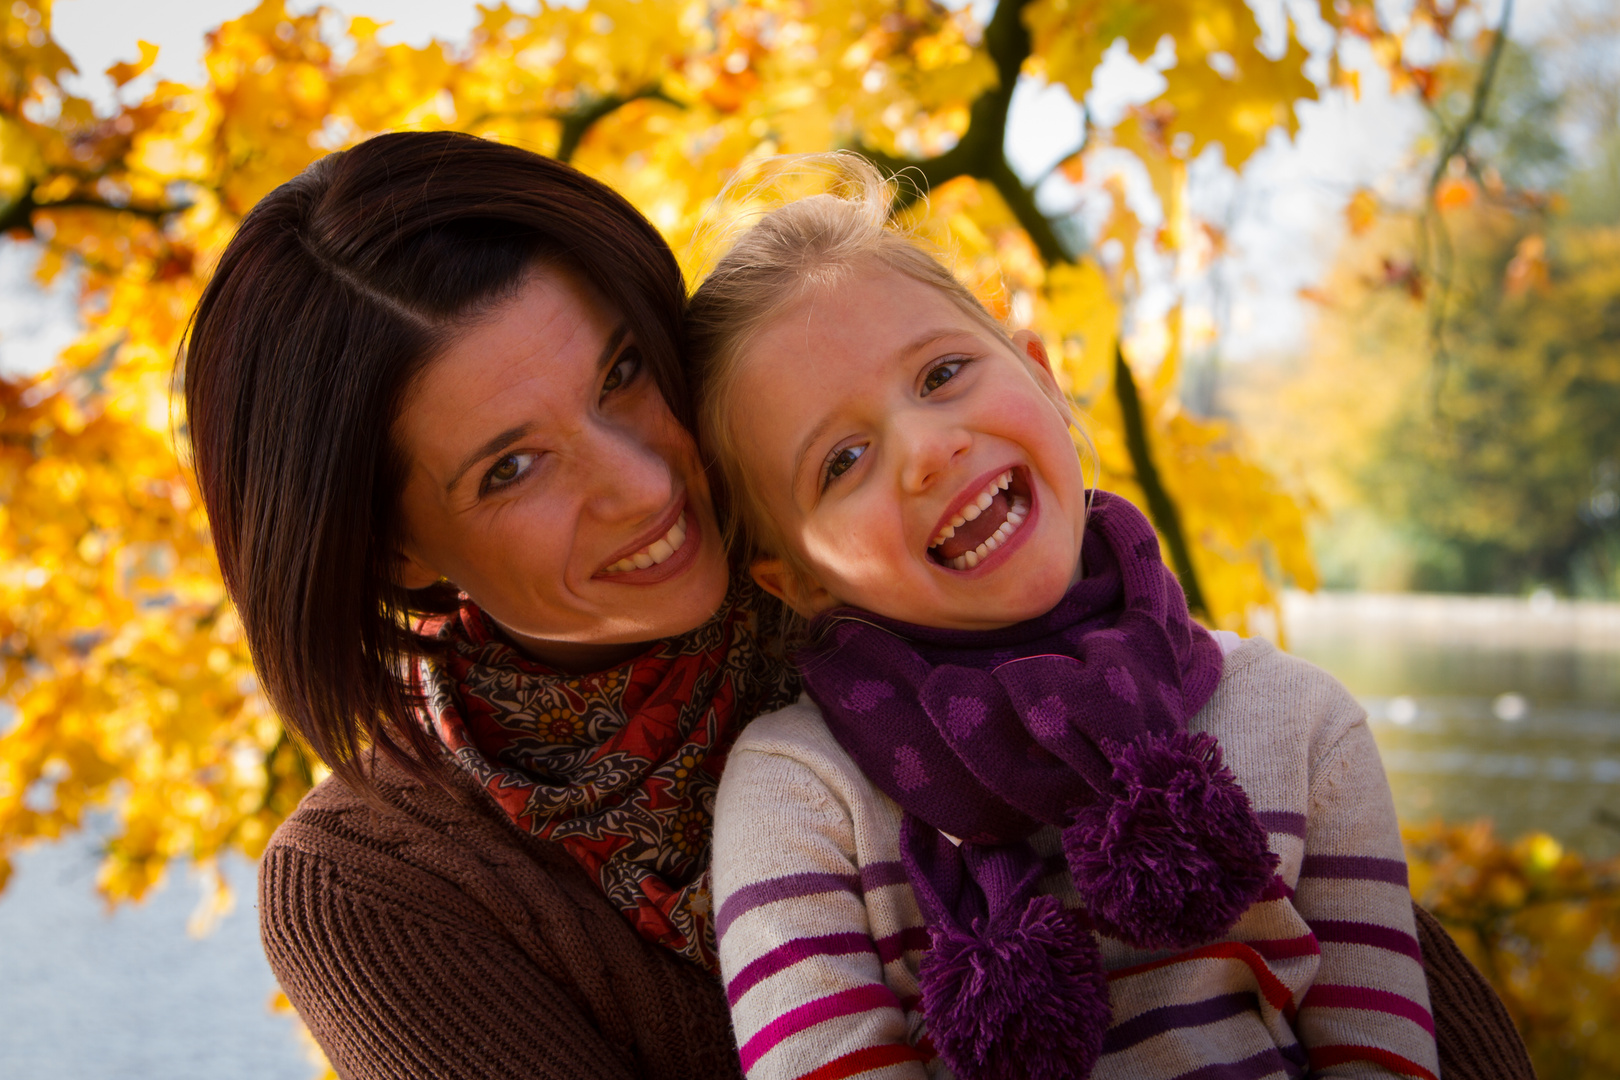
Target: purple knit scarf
column 1078, row 719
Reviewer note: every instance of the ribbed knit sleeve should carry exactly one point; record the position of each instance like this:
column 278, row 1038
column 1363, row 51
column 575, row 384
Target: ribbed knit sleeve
column 1368, row 1007
column 430, row 940
column 802, row 953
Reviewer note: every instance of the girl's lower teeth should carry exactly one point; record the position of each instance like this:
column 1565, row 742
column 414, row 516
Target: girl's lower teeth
column 1016, row 514
column 655, row 553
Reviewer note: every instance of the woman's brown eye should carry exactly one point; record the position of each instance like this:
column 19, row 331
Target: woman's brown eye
column 505, row 469
column 623, row 371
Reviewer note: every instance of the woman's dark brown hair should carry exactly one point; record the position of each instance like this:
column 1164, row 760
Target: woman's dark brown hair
column 337, row 290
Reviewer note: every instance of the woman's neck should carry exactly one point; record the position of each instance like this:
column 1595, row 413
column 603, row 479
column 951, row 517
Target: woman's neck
column 576, row 658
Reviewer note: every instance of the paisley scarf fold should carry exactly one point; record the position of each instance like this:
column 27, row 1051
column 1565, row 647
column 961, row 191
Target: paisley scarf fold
column 619, row 766
column 1077, row 719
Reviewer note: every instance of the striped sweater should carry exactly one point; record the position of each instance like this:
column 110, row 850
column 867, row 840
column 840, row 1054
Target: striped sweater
column 821, row 937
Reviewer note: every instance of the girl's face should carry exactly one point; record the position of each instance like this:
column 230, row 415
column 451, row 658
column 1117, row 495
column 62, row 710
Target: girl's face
column 918, row 466
column 549, row 481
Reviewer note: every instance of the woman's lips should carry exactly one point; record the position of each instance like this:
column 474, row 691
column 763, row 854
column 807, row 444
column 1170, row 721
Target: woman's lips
column 680, row 555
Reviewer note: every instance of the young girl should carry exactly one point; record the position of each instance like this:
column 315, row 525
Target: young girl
column 997, row 837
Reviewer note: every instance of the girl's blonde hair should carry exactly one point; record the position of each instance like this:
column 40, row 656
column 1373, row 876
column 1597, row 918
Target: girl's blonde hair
column 791, row 251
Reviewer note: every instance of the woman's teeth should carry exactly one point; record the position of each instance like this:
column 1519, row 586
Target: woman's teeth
column 653, row 553
column 1017, row 511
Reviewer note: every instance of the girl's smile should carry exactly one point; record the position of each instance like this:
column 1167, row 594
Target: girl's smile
column 985, row 522
column 913, row 461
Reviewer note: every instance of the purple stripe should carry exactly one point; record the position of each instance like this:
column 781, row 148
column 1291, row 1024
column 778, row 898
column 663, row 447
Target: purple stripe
column 1127, row 1033
column 911, row 939
column 1282, row 821
column 1264, row 1063
column 1346, row 932
column 1364, row 997
column 1355, row 868
column 1276, row 889
column 878, row 874
column 856, row 999
column 760, row 893
column 785, row 956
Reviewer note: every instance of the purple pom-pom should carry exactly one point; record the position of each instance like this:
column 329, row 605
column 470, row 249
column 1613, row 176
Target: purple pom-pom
column 1178, row 856
column 1024, row 998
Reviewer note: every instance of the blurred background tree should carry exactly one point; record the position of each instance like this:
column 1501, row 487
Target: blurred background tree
column 1455, row 414
column 1477, row 309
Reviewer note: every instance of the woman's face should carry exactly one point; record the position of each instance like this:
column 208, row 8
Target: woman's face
column 549, row 481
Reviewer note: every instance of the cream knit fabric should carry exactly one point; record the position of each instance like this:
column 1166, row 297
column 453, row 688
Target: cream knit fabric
column 821, row 937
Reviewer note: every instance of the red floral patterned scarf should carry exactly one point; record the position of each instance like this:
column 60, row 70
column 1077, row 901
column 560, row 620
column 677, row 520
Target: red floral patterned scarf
column 619, row 766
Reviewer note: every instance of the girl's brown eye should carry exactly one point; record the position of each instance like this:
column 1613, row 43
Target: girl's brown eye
column 841, row 462
column 940, row 375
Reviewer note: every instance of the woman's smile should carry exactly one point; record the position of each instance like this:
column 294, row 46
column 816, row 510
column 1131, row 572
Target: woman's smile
column 671, row 550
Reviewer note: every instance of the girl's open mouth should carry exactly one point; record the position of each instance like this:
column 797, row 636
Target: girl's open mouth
column 984, row 522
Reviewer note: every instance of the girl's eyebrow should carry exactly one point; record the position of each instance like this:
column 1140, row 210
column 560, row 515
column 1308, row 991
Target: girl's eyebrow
column 922, row 341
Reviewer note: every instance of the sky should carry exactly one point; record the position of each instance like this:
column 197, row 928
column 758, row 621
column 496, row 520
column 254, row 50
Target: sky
column 1288, row 202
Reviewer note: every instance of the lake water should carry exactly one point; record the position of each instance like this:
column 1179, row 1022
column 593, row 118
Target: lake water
column 1507, row 709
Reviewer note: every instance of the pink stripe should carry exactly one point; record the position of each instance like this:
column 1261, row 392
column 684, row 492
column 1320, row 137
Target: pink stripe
column 856, row 999
column 911, row 939
column 785, row 956
column 1276, row 889
column 1364, row 997
column 1286, row 948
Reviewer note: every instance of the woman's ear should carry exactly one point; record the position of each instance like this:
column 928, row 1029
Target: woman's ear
column 411, row 573
column 780, row 580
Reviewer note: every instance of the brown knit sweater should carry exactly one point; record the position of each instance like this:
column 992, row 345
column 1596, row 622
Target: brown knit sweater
column 428, row 937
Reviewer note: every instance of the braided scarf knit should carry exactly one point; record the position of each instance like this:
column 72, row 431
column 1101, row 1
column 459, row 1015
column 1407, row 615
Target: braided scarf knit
column 618, row 766
column 1078, row 719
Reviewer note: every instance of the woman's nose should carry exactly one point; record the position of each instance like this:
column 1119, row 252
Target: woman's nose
column 928, row 444
column 626, row 472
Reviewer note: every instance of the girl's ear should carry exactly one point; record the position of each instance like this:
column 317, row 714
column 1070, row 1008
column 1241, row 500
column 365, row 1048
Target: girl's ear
column 780, row 580
column 1033, row 349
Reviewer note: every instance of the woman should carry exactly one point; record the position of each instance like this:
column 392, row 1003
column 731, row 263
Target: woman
column 440, row 425
column 435, row 359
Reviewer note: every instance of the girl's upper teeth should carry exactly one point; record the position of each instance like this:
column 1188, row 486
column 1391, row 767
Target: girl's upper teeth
column 653, row 553
column 1017, row 511
column 973, row 509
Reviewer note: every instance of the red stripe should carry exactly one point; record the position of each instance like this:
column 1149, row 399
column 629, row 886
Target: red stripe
column 1325, row 1057
column 1276, row 992
column 863, row 1060
column 1286, row 948
column 1364, row 997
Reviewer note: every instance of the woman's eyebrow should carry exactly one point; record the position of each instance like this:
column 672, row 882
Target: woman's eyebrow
column 492, row 446
column 610, row 351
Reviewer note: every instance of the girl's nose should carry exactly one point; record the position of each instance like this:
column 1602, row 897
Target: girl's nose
column 928, row 445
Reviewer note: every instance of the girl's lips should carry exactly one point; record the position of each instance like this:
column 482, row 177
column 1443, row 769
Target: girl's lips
column 683, row 557
column 1006, row 549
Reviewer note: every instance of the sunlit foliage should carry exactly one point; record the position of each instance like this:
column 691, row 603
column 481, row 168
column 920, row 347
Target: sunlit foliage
column 122, row 659
column 1543, row 924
